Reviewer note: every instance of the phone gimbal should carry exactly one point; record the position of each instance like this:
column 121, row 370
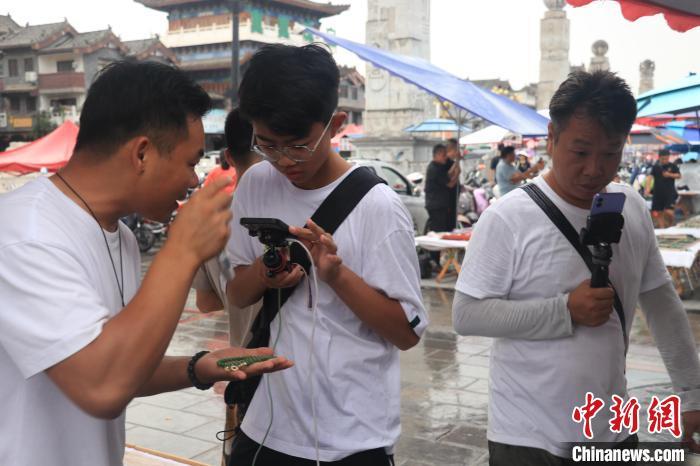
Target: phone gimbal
column 274, row 234
column 601, row 231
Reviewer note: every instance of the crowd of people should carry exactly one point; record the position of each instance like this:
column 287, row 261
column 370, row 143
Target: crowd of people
column 81, row 334
column 511, row 168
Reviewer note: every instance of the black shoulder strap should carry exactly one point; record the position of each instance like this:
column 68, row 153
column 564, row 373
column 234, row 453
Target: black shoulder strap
column 337, row 206
column 565, row 227
column 332, row 212
column 330, row 215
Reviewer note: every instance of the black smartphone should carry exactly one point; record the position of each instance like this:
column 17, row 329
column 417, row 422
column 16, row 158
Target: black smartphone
column 270, row 231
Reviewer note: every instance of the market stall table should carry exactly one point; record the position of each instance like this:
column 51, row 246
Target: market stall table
column 449, row 247
column 679, row 248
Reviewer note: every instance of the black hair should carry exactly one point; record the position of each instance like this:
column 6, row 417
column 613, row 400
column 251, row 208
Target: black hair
column 130, row 98
column 664, row 152
column 290, row 88
column 506, row 151
column 239, row 133
column 223, row 163
column 600, row 95
column 437, row 148
column 453, row 142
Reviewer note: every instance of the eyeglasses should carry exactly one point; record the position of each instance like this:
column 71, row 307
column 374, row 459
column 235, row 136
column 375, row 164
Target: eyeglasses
column 301, row 153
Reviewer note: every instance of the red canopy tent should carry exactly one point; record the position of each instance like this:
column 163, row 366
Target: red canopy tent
column 350, row 130
column 681, row 15
column 50, row 152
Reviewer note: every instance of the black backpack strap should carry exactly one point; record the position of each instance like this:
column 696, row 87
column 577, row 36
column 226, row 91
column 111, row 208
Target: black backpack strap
column 565, row 227
column 337, row 206
column 330, row 215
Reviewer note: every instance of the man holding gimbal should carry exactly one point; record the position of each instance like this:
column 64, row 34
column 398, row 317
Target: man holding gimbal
column 525, row 284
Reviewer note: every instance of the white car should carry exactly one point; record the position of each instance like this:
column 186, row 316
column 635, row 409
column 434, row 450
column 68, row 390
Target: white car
column 410, row 194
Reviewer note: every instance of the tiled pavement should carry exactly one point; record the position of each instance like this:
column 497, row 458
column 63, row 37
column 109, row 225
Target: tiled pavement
column 444, row 392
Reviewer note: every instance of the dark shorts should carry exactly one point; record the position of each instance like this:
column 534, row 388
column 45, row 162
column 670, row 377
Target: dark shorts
column 440, row 220
column 501, row 454
column 244, row 449
column 659, row 203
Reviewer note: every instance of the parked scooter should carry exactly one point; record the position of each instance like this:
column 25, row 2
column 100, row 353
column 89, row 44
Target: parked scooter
column 474, row 198
column 147, row 232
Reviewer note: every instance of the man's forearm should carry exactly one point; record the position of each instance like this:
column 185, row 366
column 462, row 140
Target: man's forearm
column 246, row 288
column 382, row 314
column 668, row 323
column 170, row 375
column 111, row 369
column 539, row 319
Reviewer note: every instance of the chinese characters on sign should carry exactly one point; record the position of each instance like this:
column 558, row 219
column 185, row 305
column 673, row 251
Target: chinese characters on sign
column 661, row 415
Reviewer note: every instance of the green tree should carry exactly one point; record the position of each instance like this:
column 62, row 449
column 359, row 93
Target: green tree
column 42, row 125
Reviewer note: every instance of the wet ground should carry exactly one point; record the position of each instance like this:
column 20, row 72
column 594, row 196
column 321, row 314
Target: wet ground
column 444, row 391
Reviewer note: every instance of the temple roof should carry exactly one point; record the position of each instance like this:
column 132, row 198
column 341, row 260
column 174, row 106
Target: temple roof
column 320, row 9
column 35, row 36
column 142, row 45
column 351, row 74
column 7, row 25
column 84, row 41
column 144, row 48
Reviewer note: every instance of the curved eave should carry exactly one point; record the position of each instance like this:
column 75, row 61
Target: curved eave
column 319, row 9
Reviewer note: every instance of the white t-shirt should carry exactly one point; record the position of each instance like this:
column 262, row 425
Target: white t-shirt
column 210, row 278
column 356, row 372
column 58, row 289
column 517, row 253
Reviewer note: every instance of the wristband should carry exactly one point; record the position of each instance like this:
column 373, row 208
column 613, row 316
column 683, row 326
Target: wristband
column 193, row 377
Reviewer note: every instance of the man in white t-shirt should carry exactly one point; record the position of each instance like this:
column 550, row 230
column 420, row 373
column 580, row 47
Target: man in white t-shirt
column 341, row 402
column 79, row 336
column 210, row 281
column 523, row 283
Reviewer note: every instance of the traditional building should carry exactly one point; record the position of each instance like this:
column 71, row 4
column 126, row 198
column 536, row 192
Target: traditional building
column 150, row 50
column 47, row 69
column 200, row 33
column 351, row 94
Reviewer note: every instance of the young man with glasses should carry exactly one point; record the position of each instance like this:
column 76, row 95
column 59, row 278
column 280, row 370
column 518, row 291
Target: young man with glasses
column 344, row 406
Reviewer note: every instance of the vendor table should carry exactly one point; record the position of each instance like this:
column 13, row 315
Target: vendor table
column 679, row 247
column 448, row 248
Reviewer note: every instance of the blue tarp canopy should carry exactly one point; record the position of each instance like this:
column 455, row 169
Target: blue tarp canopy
column 491, row 107
column 681, row 97
column 436, row 125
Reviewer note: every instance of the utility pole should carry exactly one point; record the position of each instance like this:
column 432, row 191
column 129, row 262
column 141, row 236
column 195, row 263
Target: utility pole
column 235, row 13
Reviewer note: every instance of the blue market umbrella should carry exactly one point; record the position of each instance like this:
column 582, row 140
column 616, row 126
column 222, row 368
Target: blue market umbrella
column 679, row 98
column 683, row 96
column 437, row 125
column 688, row 130
column 465, row 95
